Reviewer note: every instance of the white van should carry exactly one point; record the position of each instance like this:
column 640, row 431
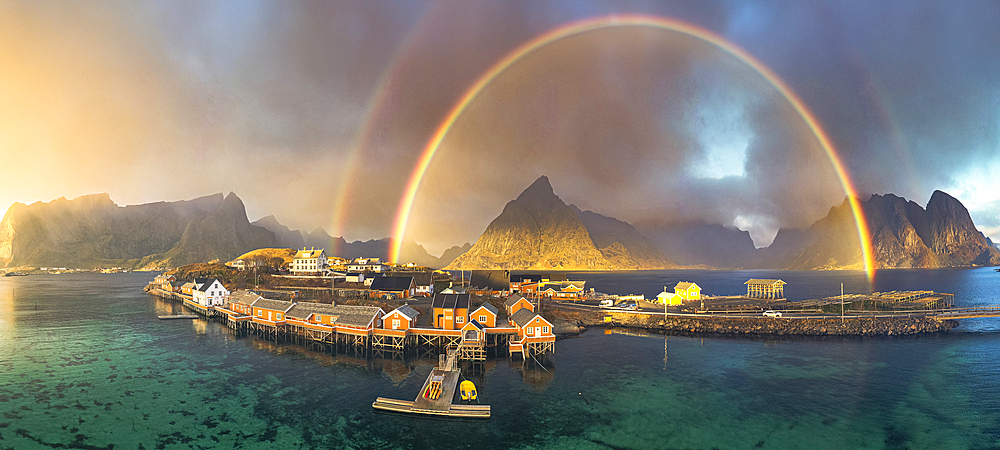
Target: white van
column 607, row 303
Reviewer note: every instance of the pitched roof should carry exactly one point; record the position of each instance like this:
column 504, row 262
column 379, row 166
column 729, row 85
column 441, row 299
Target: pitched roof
column 764, row 282
column 512, row 299
column 243, row 297
column 684, row 285
column 204, row 287
column 305, row 309
column 311, row 253
column 359, row 316
column 523, row 316
column 276, row 305
column 450, row 301
column 189, row 284
column 474, row 323
column 420, row 278
column 391, row 283
column 200, row 281
column 489, row 307
column 407, row 311
column 493, row 280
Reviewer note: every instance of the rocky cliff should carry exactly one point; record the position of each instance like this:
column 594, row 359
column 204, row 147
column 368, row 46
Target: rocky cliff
column 904, row 235
column 92, row 231
column 537, row 231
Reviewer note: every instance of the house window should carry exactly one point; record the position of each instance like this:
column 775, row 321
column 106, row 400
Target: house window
column 545, row 330
column 529, row 331
column 260, row 313
column 395, row 324
column 319, row 318
column 279, row 316
column 482, row 319
column 459, row 319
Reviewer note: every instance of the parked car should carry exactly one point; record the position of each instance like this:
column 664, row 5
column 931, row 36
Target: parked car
column 630, row 306
column 607, row 303
column 770, row 313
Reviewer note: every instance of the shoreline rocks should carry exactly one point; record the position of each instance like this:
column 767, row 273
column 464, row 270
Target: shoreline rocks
column 833, row 326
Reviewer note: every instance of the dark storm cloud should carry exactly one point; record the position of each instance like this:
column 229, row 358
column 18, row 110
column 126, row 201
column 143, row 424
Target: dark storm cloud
column 272, row 100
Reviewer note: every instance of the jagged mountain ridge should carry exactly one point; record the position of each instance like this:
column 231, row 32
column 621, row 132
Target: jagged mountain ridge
column 538, row 231
column 92, row 231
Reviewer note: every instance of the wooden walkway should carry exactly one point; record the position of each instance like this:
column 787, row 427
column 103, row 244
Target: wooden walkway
column 448, row 375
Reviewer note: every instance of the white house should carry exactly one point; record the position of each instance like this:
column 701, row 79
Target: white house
column 366, row 265
column 212, row 293
column 309, row 262
column 356, row 277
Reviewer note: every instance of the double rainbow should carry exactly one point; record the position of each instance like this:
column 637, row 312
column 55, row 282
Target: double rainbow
column 406, row 203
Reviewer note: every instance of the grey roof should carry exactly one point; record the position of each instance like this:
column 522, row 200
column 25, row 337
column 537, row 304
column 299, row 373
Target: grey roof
column 450, row 301
column 276, row 305
column 420, row 278
column 391, row 284
column 359, row 316
column 200, row 281
column 476, row 324
column 523, row 316
column 243, row 297
column 204, row 286
column 493, row 280
column 489, row 307
column 512, row 299
column 304, row 309
column 407, row 311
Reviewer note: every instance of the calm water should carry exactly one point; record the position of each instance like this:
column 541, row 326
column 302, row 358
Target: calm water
column 84, row 363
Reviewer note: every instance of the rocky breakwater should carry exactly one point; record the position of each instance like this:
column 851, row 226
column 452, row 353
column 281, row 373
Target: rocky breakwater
column 779, row 326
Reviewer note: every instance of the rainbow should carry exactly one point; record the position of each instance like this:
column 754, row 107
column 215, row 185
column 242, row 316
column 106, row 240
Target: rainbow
column 575, row 28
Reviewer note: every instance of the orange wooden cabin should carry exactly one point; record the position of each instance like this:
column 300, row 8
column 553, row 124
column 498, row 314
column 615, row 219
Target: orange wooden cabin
column 517, row 302
column 450, row 311
column 402, row 318
column 239, row 302
column 485, row 314
column 270, row 311
column 532, row 327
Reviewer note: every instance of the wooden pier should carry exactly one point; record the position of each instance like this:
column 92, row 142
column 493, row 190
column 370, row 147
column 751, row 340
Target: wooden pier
column 178, row 316
column 447, row 374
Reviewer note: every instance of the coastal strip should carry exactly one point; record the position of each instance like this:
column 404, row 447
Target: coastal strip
column 833, row 326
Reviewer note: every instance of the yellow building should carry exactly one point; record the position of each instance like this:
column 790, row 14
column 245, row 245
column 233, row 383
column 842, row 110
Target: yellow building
column 688, row 291
column 669, row 298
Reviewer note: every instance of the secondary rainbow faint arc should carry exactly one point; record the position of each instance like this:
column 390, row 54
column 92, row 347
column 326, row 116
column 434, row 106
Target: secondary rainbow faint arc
column 571, row 29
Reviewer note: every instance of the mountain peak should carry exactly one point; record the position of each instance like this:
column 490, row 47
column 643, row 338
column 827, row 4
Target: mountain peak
column 539, row 189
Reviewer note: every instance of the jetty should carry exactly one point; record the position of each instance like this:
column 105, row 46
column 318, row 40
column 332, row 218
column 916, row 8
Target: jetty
column 437, row 395
column 178, row 316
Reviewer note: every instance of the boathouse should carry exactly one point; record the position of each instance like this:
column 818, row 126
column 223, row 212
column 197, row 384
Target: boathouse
column 211, row 293
column 514, row 303
column 188, row 288
column 401, row 318
column 534, row 333
column 393, row 287
column 270, row 311
column 310, row 313
column 765, row 288
column 165, row 282
column 688, row 291
column 450, row 311
column 423, row 282
column 486, row 314
column 239, row 302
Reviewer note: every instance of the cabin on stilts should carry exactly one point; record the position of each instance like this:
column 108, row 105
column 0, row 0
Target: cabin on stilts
column 395, row 327
column 765, row 288
column 534, row 334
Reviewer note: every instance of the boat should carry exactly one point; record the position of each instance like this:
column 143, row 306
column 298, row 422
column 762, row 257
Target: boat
column 15, row 274
column 468, row 390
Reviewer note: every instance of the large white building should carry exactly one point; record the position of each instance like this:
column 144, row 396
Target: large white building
column 310, row 262
column 210, row 293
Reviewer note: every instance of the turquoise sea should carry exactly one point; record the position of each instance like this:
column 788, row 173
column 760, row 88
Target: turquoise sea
column 84, row 363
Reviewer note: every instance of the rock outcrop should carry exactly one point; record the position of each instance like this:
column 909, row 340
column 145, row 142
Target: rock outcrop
column 92, row 231
column 537, row 231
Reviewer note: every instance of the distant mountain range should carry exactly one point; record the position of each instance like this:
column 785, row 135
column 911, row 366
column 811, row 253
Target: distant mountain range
column 92, row 231
column 537, row 230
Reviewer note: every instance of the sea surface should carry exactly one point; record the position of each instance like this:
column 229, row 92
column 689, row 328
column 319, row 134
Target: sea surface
column 84, row 363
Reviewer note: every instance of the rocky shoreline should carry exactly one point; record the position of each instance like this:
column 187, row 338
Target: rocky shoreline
column 833, row 326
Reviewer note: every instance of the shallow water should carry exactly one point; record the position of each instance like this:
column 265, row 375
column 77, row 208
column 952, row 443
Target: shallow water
column 84, row 363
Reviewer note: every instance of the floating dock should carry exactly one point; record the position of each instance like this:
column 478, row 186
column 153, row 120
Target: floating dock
column 447, row 375
column 178, row 316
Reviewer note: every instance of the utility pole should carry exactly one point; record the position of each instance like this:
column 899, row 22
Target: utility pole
column 841, row 302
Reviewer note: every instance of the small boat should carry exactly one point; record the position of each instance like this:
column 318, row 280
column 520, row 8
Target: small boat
column 15, row 274
column 468, row 390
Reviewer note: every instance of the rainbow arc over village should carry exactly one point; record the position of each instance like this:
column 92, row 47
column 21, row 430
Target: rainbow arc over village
column 603, row 22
